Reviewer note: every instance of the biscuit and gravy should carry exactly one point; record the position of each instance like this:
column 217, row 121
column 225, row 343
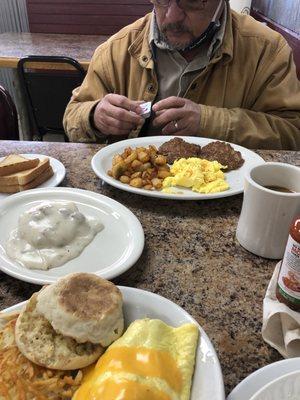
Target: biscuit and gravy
column 50, row 234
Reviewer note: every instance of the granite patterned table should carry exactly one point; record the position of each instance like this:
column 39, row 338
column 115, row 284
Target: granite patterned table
column 15, row 45
column 191, row 257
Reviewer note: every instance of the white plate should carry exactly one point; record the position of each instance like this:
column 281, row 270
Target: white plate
column 102, row 161
column 258, row 379
column 59, row 172
column 286, row 387
column 115, row 249
column 208, row 380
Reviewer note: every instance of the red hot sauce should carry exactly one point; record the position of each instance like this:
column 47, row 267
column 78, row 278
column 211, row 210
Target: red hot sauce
column 288, row 285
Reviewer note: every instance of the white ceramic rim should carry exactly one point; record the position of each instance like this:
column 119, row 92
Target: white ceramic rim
column 256, row 159
column 167, row 305
column 139, row 236
column 252, row 383
column 58, row 176
column 249, row 178
column 273, row 382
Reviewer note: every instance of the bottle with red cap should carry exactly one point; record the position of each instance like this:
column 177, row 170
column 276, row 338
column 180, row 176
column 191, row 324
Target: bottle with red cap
column 288, row 285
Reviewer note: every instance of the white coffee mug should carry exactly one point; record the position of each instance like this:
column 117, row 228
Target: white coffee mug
column 267, row 214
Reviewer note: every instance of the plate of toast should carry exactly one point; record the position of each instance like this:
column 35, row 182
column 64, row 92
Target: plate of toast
column 19, row 172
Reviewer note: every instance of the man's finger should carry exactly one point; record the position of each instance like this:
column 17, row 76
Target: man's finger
column 122, row 125
column 113, row 127
column 169, row 102
column 170, row 115
column 125, row 103
column 123, row 115
column 174, row 128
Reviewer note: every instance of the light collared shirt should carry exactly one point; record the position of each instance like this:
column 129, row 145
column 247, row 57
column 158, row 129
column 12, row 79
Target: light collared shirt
column 174, row 73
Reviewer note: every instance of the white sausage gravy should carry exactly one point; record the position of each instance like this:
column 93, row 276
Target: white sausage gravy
column 50, row 234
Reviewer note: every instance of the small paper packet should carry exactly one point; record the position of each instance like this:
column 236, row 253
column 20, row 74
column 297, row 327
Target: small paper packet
column 146, row 107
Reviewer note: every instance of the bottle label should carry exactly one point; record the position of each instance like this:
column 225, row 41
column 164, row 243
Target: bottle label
column 289, row 276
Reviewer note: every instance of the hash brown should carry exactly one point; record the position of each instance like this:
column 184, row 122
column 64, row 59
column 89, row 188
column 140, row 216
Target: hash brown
column 22, row 379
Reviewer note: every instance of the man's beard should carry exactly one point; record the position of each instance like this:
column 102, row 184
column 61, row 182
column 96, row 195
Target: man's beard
column 177, row 27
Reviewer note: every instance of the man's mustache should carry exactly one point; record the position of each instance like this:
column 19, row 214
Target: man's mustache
column 176, row 27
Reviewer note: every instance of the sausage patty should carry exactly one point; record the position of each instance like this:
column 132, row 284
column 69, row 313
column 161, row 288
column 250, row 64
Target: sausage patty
column 177, row 148
column 224, row 153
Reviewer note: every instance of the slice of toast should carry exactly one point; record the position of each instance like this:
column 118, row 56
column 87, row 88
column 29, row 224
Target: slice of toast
column 24, row 177
column 16, row 163
column 43, row 177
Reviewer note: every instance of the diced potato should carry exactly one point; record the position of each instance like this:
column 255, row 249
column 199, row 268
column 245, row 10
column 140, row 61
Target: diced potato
column 118, row 169
column 153, row 148
column 143, row 156
column 140, row 167
column 157, row 183
column 136, row 182
column 163, row 174
column 117, row 159
column 124, row 179
column 160, row 160
column 145, row 166
column 136, row 175
column 131, row 157
column 136, row 165
column 148, row 187
column 164, row 167
column 127, row 152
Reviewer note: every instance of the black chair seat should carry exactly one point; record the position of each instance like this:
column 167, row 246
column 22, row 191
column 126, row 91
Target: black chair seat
column 48, row 90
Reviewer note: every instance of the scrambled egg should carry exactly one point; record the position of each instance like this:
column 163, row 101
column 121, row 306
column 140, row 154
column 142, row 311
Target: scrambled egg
column 200, row 175
column 151, row 361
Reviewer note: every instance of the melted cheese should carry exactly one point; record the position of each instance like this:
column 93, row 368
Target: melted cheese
column 143, row 362
column 151, row 361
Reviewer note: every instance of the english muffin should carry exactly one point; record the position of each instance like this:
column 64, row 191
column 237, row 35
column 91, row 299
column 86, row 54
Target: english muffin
column 85, row 307
column 38, row 341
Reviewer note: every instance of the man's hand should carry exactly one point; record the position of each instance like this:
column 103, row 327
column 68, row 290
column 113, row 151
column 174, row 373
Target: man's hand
column 177, row 116
column 117, row 115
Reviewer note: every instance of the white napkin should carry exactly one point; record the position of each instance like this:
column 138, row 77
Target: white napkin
column 281, row 325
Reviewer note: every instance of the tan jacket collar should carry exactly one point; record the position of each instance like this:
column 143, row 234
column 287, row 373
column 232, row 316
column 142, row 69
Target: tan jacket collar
column 226, row 49
column 140, row 48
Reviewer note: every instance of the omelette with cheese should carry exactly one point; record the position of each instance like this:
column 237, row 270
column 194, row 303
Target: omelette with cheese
column 151, row 361
column 200, row 175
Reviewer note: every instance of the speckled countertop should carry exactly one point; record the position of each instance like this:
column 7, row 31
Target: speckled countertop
column 191, row 257
column 15, row 45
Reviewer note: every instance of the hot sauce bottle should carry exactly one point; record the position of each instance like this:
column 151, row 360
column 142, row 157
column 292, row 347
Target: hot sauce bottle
column 288, row 285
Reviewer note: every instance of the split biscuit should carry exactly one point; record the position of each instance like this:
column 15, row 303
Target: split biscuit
column 85, row 307
column 38, row 341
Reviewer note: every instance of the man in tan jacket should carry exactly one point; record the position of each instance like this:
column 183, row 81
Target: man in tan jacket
column 208, row 70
